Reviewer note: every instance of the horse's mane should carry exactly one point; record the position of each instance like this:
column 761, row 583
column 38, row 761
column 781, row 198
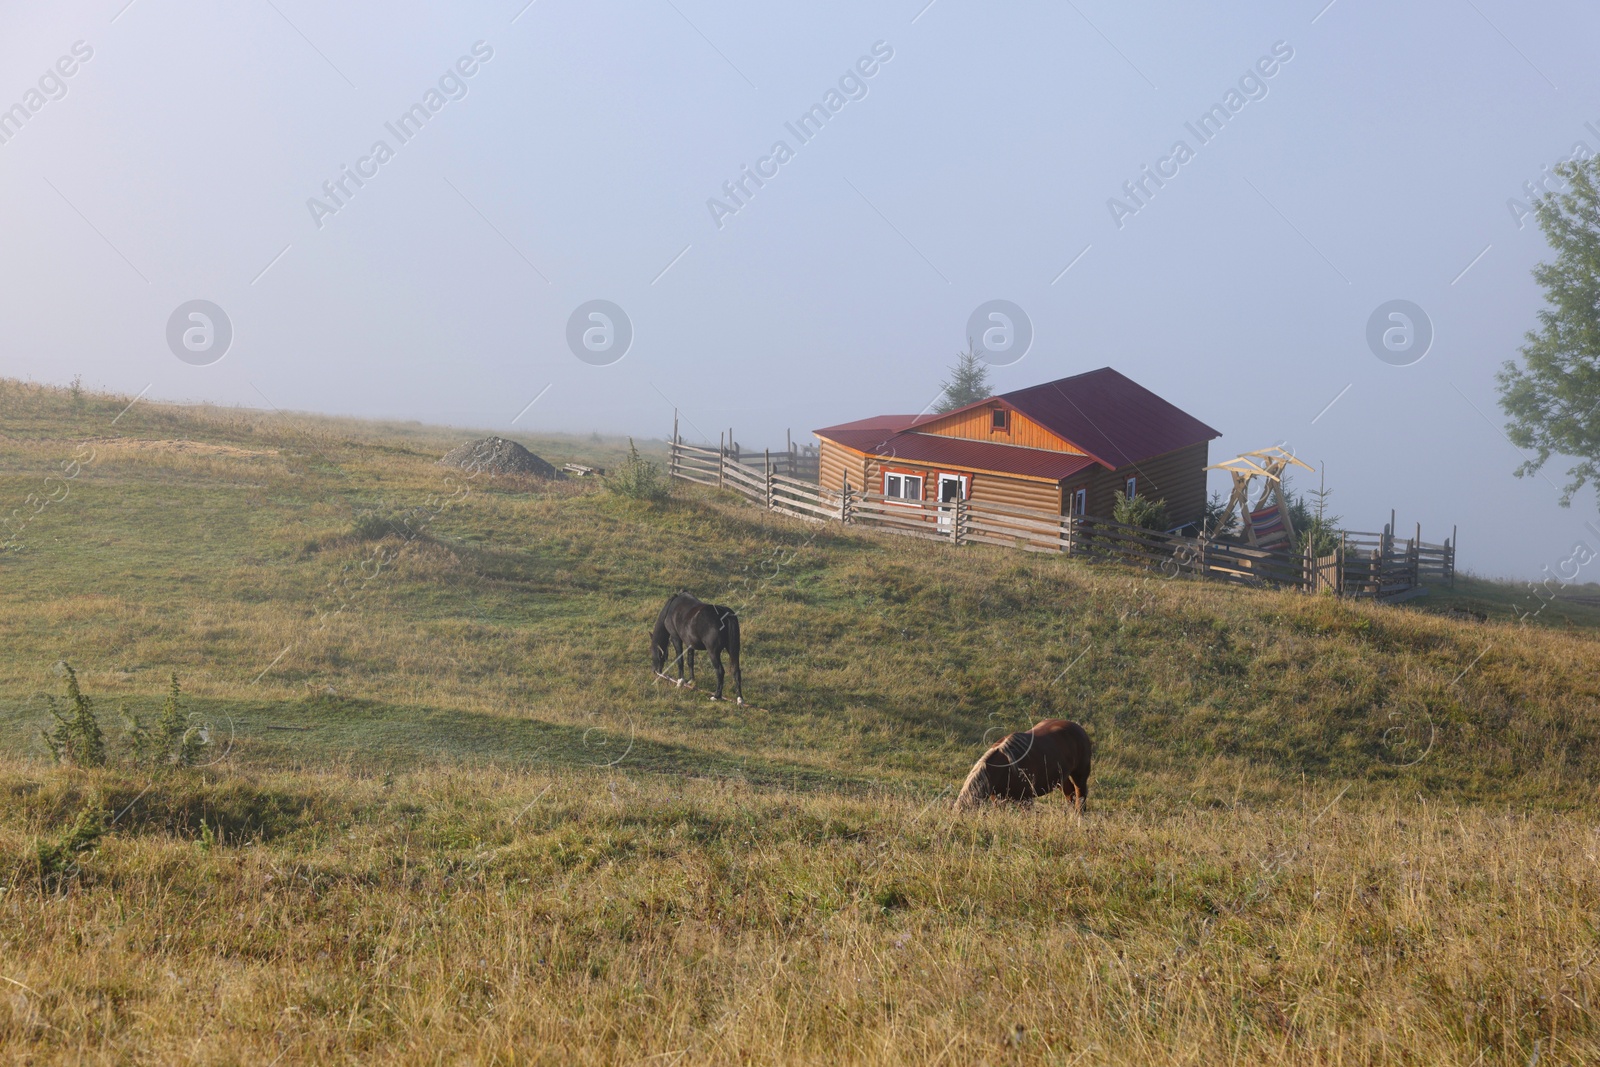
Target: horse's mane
column 1013, row 747
column 976, row 787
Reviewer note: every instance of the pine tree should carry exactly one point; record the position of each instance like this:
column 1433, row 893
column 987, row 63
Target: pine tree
column 1552, row 400
column 969, row 381
column 1138, row 510
column 1309, row 513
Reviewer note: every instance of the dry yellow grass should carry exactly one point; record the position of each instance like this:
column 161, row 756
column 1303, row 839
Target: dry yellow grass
column 494, row 917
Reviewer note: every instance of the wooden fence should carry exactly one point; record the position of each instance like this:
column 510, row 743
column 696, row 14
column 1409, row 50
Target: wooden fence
column 796, row 461
column 1375, row 565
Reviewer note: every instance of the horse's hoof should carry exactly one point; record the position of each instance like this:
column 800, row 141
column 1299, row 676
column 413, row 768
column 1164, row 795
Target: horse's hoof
column 739, row 701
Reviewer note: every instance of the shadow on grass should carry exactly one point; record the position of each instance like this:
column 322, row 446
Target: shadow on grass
column 374, row 736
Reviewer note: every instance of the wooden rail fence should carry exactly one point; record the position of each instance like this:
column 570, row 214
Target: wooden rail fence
column 1374, row 565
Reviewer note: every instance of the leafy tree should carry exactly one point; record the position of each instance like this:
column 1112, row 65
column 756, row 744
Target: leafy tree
column 1552, row 399
column 969, row 381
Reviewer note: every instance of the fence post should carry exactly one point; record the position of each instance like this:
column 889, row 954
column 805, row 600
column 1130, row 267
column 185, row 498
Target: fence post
column 844, row 503
column 672, row 454
column 955, row 523
column 1416, row 577
column 1338, row 574
column 1451, row 556
column 766, row 459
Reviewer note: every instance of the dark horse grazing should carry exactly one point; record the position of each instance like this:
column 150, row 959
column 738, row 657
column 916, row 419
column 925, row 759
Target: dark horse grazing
column 1030, row 764
column 691, row 625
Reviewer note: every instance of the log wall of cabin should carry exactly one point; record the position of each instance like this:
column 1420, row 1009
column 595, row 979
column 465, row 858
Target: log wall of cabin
column 982, row 487
column 978, row 425
column 1017, row 492
column 836, row 463
column 1178, row 477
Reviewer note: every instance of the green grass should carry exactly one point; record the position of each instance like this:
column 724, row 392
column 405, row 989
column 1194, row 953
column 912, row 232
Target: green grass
column 340, row 582
column 446, row 807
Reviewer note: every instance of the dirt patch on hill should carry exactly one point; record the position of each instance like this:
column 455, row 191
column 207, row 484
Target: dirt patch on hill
column 496, row 455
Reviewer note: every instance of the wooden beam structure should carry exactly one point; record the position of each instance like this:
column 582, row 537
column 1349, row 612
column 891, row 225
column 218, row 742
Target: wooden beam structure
column 1268, row 464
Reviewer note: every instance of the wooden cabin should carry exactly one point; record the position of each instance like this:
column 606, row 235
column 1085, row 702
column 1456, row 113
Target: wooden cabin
column 1069, row 447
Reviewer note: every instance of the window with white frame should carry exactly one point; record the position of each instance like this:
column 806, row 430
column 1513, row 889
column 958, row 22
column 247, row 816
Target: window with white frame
column 1133, row 488
column 1079, row 502
column 902, row 486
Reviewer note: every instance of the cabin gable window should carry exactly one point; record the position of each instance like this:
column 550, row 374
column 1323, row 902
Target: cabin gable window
column 901, row 485
column 1001, row 420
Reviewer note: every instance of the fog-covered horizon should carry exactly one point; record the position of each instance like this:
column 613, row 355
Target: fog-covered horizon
column 791, row 216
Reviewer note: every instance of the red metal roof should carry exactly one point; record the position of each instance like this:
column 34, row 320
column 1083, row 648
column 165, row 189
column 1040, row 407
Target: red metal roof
column 870, row 441
column 872, row 435
column 1114, row 419
column 1110, row 416
column 892, row 423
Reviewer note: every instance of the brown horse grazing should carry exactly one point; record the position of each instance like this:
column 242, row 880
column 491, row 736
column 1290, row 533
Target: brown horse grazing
column 1032, row 763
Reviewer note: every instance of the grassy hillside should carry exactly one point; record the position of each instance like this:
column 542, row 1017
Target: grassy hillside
column 447, row 812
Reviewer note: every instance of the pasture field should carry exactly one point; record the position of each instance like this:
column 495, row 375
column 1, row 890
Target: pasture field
column 445, row 816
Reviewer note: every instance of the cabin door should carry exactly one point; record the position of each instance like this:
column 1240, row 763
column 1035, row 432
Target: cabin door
column 952, row 488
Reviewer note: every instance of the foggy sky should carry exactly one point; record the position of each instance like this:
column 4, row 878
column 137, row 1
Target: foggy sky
column 590, row 153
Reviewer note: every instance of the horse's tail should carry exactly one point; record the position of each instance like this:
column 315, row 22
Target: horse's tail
column 730, row 629
column 660, row 644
